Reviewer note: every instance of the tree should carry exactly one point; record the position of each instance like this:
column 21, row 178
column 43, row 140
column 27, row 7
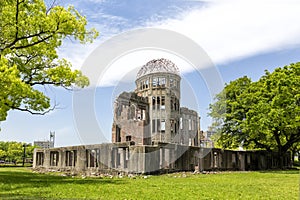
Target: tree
column 3, row 150
column 263, row 114
column 13, row 151
column 30, row 34
column 228, row 113
column 29, row 151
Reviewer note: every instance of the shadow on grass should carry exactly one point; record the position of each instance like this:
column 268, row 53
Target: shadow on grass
column 13, row 183
column 13, row 165
column 42, row 179
column 24, row 197
column 285, row 171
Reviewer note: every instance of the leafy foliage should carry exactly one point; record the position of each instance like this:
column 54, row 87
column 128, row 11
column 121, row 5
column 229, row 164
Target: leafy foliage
column 30, row 34
column 263, row 114
column 13, row 151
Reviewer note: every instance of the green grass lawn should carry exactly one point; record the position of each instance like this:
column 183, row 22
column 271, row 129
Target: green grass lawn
column 21, row 183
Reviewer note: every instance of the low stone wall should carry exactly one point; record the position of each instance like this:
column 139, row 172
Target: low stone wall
column 115, row 158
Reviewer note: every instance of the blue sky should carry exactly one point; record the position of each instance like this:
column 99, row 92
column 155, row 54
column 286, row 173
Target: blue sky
column 240, row 37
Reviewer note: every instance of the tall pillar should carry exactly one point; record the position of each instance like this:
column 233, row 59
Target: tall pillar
column 162, row 158
column 81, row 159
column 34, row 158
column 122, row 153
column 46, row 158
column 167, row 158
column 62, row 158
column 59, row 157
column 201, row 160
column 241, row 161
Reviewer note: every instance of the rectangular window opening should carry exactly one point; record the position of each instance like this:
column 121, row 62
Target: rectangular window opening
column 153, row 103
column 146, row 83
column 54, row 156
column 163, row 82
column 158, row 102
column 163, row 106
column 180, row 123
column 171, row 82
column 163, row 126
column 128, row 138
column 154, row 82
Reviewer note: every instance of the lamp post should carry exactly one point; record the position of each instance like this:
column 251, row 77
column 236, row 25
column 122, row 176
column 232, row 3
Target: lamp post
column 24, row 154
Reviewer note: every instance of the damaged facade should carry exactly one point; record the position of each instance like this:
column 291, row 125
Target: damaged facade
column 151, row 133
column 152, row 113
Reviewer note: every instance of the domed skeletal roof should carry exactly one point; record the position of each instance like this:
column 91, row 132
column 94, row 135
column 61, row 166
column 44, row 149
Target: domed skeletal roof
column 158, row 65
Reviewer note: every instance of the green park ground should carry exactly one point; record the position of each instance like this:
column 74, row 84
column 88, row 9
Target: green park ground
column 22, row 183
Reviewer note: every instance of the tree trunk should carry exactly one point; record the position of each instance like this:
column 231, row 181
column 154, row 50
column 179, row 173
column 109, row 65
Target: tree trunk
column 280, row 157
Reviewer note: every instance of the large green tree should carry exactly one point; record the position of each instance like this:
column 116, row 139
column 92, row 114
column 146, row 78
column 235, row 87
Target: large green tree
column 30, row 34
column 264, row 114
column 14, row 151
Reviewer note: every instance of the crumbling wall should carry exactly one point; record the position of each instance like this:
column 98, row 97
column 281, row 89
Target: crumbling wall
column 188, row 128
column 159, row 158
column 131, row 119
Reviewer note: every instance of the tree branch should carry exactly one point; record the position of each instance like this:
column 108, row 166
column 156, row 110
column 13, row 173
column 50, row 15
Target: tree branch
column 293, row 139
column 17, row 19
column 51, row 6
column 35, row 113
column 276, row 135
column 260, row 145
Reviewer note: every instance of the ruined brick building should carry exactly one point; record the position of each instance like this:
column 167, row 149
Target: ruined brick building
column 152, row 113
column 151, row 133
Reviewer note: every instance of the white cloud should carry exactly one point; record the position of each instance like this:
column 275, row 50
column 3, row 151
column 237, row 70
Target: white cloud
column 124, row 69
column 229, row 30
column 76, row 52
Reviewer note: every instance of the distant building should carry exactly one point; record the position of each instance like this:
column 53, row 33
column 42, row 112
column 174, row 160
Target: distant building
column 44, row 144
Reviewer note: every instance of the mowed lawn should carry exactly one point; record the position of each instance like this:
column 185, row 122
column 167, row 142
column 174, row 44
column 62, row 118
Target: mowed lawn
column 22, row 183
